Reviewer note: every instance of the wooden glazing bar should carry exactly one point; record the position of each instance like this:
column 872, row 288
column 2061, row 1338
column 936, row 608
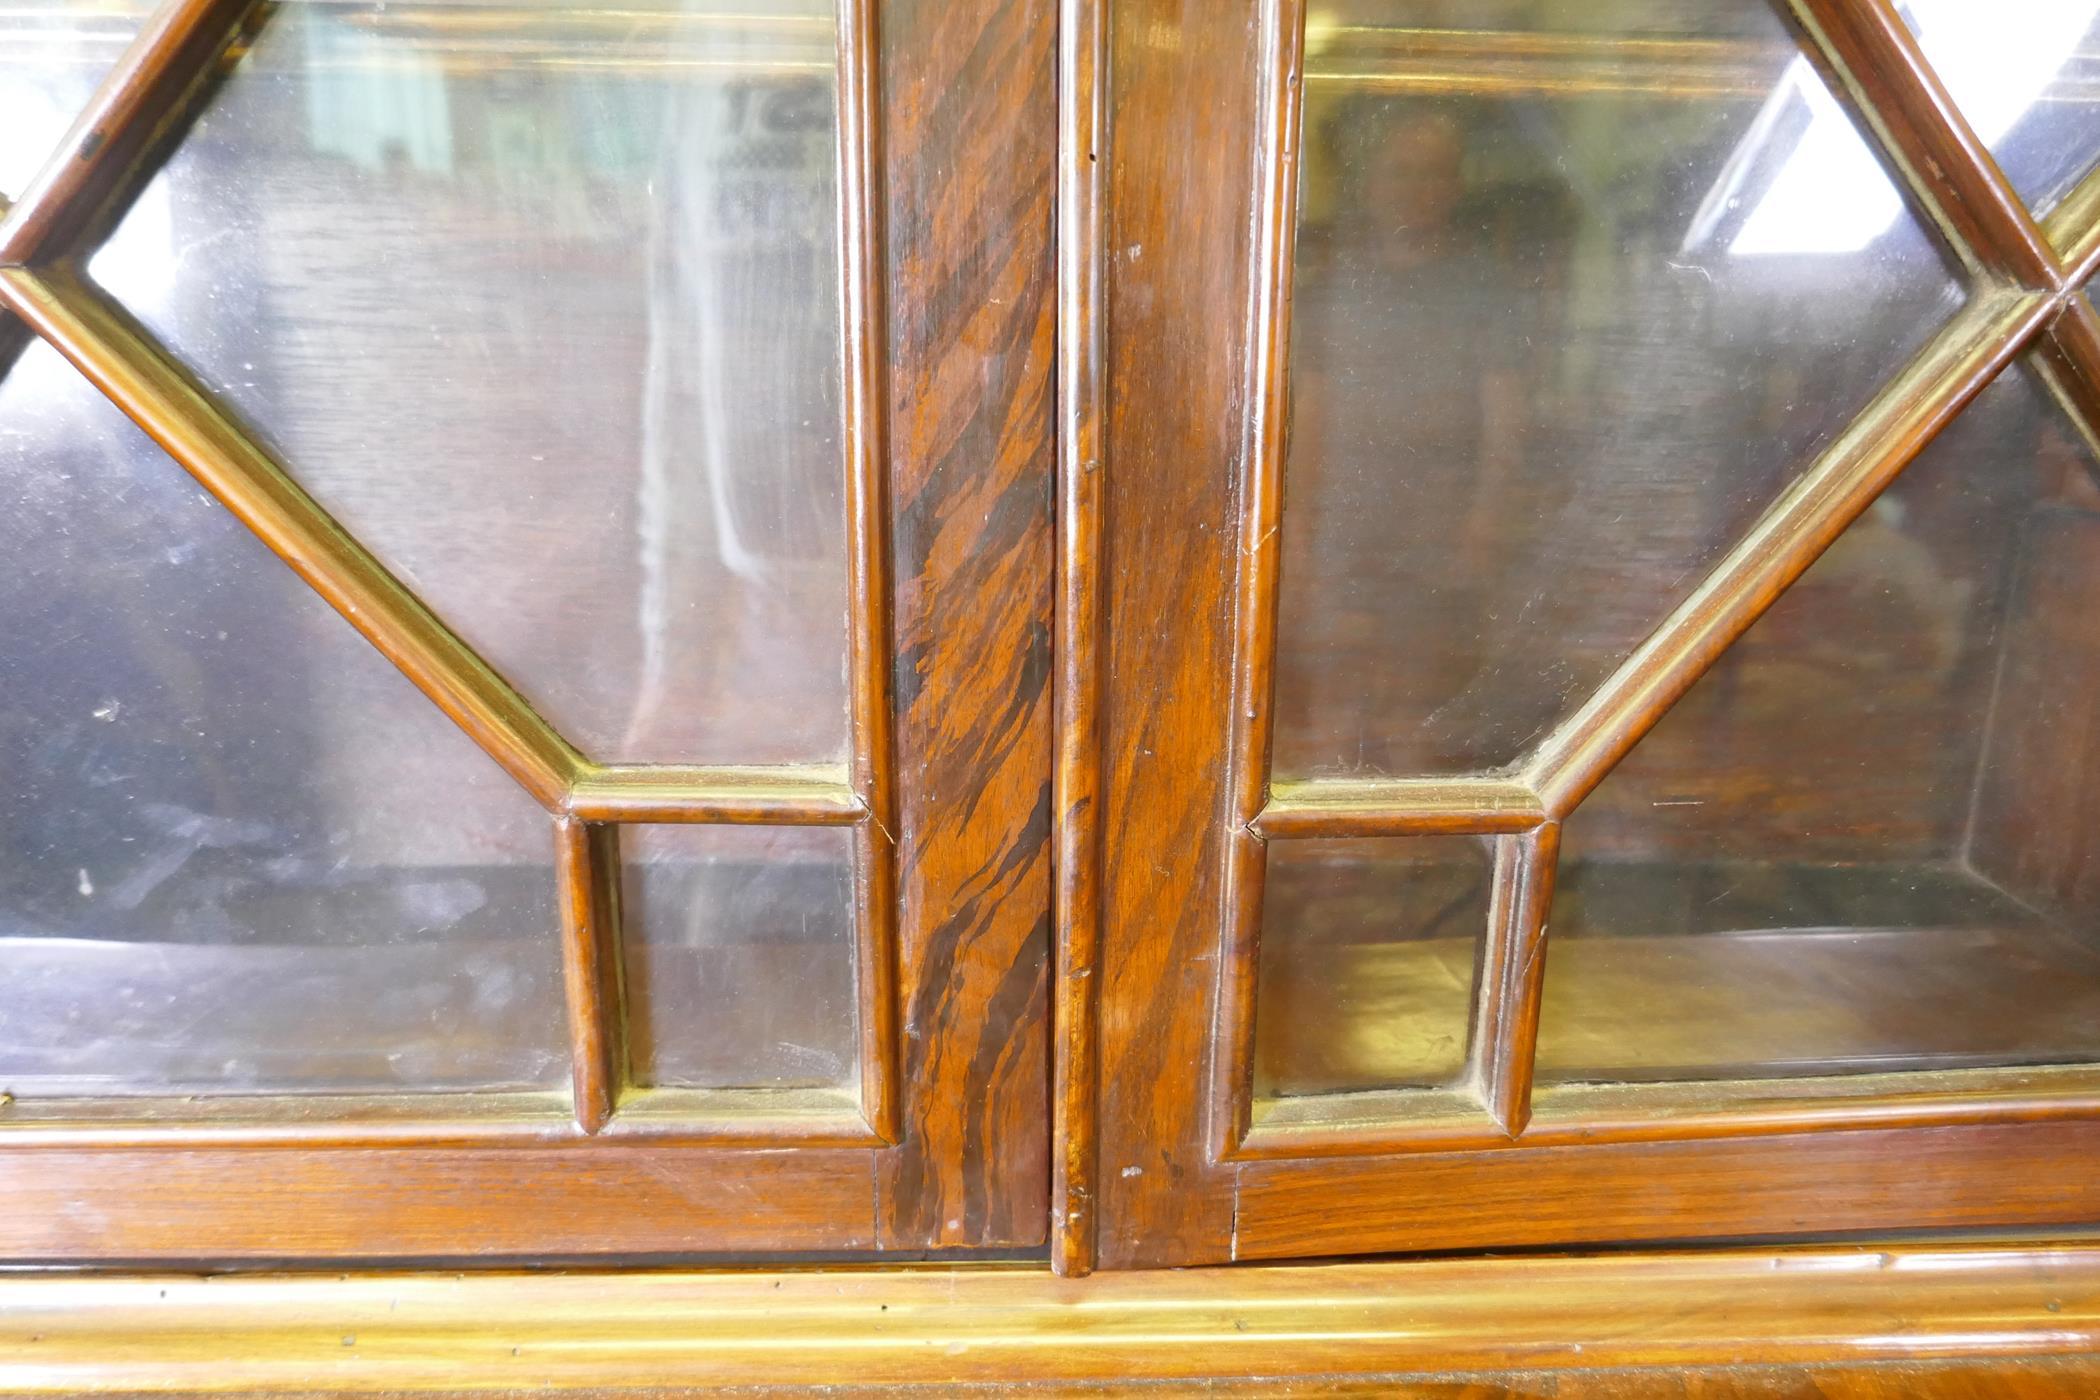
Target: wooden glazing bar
column 1389, row 1121
column 122, row 361
column 287, row 1120
column 1334, row 807
column 1512, row 974
column 865, row 330
column 812, row 1117
column 1882, row 72
column 812, row 795
column 1082, row 579
column 1939, row 382
column 143, row 98
column 2069, row 360
column 1258, row 575
column 2073, row 229
column 587, row 872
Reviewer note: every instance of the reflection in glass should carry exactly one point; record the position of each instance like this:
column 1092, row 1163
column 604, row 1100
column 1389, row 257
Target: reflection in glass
column 541, row 303
column 1563, row 324
column 52, row 54
column 739, row 956
column 1866, row 839
column 1368, row 954
column 2027, row 77
column 238, row 851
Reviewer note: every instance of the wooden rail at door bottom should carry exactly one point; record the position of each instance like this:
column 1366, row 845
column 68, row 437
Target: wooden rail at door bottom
column 1850, row 1311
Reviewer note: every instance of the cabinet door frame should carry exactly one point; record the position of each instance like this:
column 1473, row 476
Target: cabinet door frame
column 948, row 461
column 1193, row 241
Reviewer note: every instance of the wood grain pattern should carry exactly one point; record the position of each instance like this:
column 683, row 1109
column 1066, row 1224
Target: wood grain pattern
column 1564, row 1320
column 147, row 98
column 586, row 1196
column 2002, row 1176
column 1184, row 105
column 1082, row 340
column 971, row 142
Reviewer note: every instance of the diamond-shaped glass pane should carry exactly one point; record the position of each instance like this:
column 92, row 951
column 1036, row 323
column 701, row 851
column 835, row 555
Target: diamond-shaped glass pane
column 2026, row 75
column 1868, row 839
column 238, row 851
column 1575, row 296
column 541, row 302
column 52, row 54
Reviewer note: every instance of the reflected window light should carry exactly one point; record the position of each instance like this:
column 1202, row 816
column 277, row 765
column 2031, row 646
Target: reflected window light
column 1829, row 194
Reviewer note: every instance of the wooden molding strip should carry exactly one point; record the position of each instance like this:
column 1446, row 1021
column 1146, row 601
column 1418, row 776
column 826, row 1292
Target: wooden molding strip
column 816, row 795
column 410, row 1333
column 2073, row 229
column 1082, row 582
column 1466, row 806
column 587, row 876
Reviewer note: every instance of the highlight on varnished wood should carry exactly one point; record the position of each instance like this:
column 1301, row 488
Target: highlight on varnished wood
column 1561, row 1318
column 1885, row 78
column 769, row 795
column 124, row 363
column 1082, row 581
column 587, row 877
column 1456, row 806
column 2073, row 229
column 1939, row 382
column 1511, row 979
column 865, row 328
column 1258, row 566
column 144, row 97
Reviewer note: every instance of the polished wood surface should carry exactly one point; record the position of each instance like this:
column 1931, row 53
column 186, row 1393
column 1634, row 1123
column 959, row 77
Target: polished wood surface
column 971, row 155
column 1560, row 1320
column 1082, row 335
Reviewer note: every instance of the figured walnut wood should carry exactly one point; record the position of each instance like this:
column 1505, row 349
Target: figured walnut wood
column 1835, row 1308
column 971, row 148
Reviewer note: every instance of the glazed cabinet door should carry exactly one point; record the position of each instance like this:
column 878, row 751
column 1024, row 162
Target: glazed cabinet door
column 527, row 599
column 1593, row 558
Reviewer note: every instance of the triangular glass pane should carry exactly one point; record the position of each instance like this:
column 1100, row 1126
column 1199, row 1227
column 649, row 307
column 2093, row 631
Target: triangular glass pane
column 53, row 53
column 1576, row 295
column 2027, row 77
column 241, row 853
column 541, row 303
column 1867, row 840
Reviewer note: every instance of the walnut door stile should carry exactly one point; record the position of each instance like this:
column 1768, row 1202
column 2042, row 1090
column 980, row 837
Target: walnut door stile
column 1201, row 1159
column 936, row 1138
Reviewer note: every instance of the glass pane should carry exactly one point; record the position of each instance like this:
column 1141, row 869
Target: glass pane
column 238, row 851
column 52, row 54
column 2027, row 76
column 1569, row 312
column 1867, row 839
column 740, row 958
column 1368, row 953
column 541, row 302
